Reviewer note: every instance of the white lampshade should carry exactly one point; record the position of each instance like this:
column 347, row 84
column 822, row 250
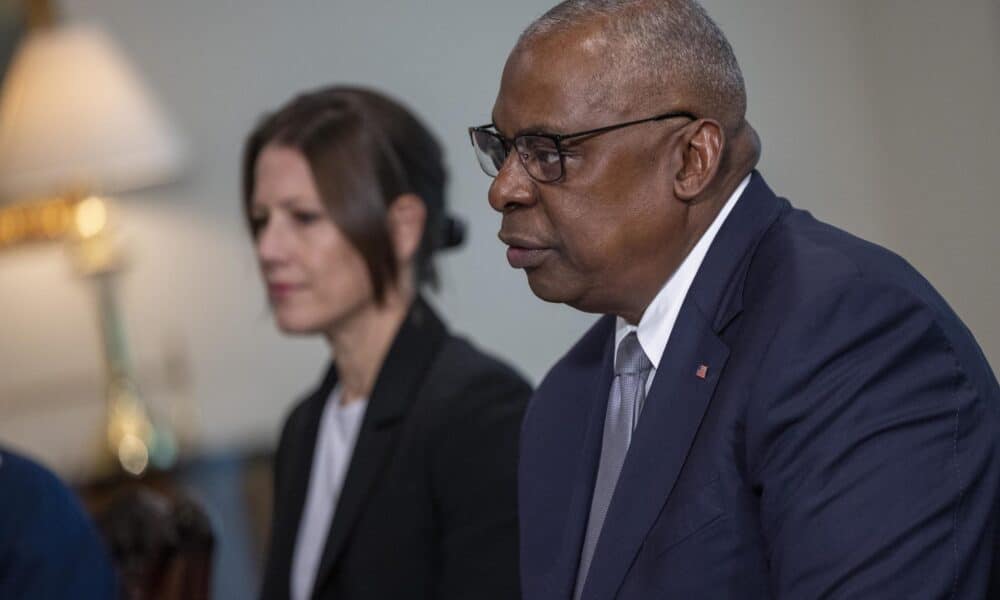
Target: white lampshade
column 74, row 116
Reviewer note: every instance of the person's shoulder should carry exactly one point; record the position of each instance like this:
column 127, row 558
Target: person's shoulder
column 464, row 383
column 26, row 472
column 26, row 482
column 462, row 366
column 804, row 260
column 44, row 529
column 809, row 275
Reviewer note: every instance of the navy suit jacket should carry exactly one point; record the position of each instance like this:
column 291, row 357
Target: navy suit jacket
column 841, row 440
column 49, row 548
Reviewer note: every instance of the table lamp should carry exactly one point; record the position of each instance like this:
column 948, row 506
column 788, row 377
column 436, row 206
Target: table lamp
column 76, row 126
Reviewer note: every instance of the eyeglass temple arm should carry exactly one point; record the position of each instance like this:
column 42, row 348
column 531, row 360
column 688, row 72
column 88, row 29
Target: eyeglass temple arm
column 663, row 117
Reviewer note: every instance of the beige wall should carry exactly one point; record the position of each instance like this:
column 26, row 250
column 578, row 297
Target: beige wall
column 933, row 69
column 876, row 116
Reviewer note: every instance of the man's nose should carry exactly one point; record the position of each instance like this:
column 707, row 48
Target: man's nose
column 512, row 187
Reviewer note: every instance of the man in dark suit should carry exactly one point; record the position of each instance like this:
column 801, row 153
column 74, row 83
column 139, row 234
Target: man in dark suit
column 48, row 546
column 770, row 407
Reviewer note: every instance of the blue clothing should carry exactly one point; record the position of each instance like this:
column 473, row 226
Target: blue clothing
column 49, row 548
column 821, row 425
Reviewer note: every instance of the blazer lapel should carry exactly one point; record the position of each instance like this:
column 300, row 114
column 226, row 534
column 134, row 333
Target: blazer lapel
column 682, row 389
column 296, row 467
column 396, row 387
column 593, row 391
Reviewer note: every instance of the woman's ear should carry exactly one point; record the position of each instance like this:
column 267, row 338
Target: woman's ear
column 407, row 217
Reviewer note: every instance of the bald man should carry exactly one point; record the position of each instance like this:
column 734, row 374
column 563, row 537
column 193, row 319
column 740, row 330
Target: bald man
column 770, row 407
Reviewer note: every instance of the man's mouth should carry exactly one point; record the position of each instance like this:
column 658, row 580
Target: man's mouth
column 526, row 258
column 524, row 252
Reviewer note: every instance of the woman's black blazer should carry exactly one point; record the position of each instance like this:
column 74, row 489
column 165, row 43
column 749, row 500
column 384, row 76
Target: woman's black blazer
column 428, row 507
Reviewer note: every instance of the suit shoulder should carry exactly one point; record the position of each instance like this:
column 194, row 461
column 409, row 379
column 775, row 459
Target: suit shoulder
column 802, row 258
column 806, row 270
column 37, row 503
column 459, row 352
column 49, row 547
column 30, row 478
column 472, row 401
column 462, row 372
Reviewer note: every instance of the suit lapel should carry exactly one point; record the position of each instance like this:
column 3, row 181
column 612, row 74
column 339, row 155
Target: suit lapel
column 682, row 389
column 594, row 386
column 396, row 387
column 296, row 469
column 672, row 413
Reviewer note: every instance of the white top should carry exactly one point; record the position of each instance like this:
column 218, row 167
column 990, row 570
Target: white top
column 338, row 432
column 658, row 320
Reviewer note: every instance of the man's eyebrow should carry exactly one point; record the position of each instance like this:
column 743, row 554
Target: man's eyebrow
column 537, row 130
column 529, row 130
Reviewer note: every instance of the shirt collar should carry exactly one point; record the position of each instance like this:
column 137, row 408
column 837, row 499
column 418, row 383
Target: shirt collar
column 658, row 319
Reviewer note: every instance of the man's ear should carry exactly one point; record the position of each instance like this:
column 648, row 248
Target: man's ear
column 701, row 152
column 406, row 217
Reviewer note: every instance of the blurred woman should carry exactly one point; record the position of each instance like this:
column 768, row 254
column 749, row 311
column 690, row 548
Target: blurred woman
column 395, row 478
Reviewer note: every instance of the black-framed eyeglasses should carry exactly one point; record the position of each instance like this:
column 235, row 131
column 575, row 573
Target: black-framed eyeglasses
column 541, row 154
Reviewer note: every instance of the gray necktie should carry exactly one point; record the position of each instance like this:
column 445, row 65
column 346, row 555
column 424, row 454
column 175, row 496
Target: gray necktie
column 624, row 405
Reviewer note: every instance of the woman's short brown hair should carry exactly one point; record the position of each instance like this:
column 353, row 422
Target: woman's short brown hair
column 364, row 151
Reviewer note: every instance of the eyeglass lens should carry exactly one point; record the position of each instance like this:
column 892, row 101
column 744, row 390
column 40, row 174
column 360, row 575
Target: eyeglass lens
column 538, row 154
column 490, row 151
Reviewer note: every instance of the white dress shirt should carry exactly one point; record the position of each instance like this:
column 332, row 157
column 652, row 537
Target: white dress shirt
column 658, row 320
column 338, row 432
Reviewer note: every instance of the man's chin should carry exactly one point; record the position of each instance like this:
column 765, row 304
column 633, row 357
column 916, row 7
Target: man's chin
column 561, row 291
column 548, row 288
